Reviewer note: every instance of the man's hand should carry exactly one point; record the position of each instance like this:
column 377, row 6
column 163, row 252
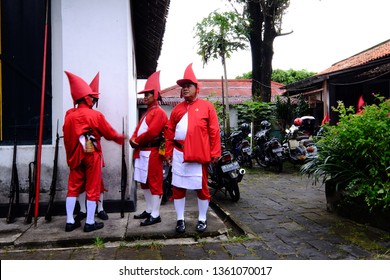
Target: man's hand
column 133, row 144
column 169, row 160
column 214, row 159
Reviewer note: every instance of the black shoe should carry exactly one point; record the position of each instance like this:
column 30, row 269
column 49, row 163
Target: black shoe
column 181, row 226
column 102, row 215
column 143, row 215
column 151, row 221
column 80, row 216
column 201, row 226
column 92, row 227
column 70, row 227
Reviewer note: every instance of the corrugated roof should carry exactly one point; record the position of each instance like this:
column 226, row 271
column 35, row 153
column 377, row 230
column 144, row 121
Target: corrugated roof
column 376, row 52
column 149, row 19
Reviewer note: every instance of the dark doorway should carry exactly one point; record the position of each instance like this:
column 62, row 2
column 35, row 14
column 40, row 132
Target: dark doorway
column 22, row 44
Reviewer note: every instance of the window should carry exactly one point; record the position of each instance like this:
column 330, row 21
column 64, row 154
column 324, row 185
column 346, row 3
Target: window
column 21, row 50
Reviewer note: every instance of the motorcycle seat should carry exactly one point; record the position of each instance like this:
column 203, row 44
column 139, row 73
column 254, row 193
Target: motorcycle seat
column 302, row 137
column 234, row 134
column 307, row 142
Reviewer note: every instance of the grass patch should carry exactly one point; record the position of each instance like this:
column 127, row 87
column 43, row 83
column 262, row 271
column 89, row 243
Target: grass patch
column 98, row 242
column 211, row 252
column 156, row 245
column 360, row 235
column 239, row 239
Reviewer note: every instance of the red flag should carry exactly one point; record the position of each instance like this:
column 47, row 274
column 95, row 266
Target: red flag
column 360, row 105
column 325, row 119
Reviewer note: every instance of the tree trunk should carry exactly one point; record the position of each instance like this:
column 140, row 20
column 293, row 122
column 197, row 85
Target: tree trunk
column 267, row 56
column 255, row 40
column 264, row 17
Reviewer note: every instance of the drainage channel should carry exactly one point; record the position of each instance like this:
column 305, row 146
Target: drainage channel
column 236, row 229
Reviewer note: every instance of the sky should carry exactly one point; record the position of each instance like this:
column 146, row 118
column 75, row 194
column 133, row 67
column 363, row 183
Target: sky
column 323, row 33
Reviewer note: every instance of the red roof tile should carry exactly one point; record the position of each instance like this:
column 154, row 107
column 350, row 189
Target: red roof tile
column 379, row 51
column 240, row 90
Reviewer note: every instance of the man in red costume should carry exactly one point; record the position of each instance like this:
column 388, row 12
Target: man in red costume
column 94, row 85
column 83, row 129
column 192, row 142
column 146, row 140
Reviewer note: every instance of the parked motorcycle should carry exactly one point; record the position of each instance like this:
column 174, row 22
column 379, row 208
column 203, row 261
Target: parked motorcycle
column 298, row 144
column 225, row 175
column 167, row 182
column 268, row 151
column 241, row 147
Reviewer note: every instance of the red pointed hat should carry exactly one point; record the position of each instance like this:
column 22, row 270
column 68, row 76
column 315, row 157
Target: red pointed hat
column 78, row 87
column 189, row 77
column 94, row 85
column 153, row 84
column 360, row 105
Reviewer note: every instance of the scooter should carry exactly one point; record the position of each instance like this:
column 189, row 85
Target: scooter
column 245, row 154
column 241, row 148
column 225, row 175
column 268, row 151
column 298, row 144
column 293, row 150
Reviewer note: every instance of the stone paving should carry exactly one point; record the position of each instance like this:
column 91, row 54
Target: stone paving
column 279, row 217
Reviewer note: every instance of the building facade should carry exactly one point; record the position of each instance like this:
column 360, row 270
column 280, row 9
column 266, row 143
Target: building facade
column 115, row 38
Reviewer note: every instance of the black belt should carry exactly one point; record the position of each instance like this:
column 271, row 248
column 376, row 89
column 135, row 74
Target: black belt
column 151, row 145
column 178, row 145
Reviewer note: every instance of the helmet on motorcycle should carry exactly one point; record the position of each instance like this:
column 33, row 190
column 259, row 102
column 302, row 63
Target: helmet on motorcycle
column 245, row 128
column 298, row 121
column 265, row 125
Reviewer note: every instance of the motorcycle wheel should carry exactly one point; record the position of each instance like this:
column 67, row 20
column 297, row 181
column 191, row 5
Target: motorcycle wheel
column 279, row 164
column 234, row 191
column 212, row 188
column 167, row 191
column 248, row 162
column 240, row 159
column 260, row 161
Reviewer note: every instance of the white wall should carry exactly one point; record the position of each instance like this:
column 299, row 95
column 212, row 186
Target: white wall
column 97, row 37
column 88, row 36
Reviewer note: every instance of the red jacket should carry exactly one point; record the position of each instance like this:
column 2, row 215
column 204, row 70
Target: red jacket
column 79, row 121
column 156, row 119
column 203, row 139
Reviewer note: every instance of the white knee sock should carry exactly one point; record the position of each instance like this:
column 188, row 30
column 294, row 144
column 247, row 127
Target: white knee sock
column 91, row 208
column 179, row 207
column 100, row 203
column 148, row 200
column 70, row 203
column 156, row 201
column 203, row 205
column 81, row 200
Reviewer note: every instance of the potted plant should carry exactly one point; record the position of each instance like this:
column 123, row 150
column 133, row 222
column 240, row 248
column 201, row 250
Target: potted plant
column 353, row 160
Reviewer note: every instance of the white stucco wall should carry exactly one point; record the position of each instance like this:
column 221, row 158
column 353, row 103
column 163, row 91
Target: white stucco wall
column 88, row 36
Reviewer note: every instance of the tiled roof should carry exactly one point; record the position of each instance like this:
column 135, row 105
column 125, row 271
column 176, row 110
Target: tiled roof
column 374, row 53
column 240, row 90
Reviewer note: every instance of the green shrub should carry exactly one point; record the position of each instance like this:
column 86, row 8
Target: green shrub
column 355, row 154
column 255, row 111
